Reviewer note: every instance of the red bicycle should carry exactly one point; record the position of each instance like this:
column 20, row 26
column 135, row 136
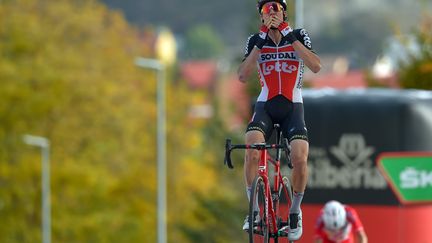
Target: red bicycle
column 269, row 204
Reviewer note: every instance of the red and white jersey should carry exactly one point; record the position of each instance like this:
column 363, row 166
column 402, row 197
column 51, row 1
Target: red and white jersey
column 344, row 235
column 280, row 69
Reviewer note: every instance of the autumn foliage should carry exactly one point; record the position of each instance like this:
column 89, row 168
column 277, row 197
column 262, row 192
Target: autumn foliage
column 67, row 73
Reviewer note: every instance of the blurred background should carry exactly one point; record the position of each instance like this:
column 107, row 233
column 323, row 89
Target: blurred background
column 114, row 113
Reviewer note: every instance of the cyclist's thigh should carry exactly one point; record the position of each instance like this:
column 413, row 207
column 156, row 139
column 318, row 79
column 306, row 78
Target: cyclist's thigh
column 294, row 126
column 260, row 122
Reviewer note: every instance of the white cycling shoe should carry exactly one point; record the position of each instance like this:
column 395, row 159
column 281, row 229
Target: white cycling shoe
column 246, row 221
column 294, row 229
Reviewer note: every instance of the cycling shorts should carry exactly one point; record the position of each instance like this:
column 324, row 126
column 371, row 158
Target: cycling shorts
column 279, row 110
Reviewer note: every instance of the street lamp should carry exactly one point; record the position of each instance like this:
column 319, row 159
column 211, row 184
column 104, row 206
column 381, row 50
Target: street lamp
column 44, row 144
column 161, row 143
column 166, row 53
column 299, row 13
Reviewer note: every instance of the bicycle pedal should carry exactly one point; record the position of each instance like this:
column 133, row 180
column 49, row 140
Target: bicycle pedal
column 282, row 234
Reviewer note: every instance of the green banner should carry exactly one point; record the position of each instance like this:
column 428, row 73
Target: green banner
column 409, row 175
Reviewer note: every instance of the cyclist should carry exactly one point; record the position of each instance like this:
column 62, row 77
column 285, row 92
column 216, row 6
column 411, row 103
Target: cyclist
column 339, row 223
column 280, row 53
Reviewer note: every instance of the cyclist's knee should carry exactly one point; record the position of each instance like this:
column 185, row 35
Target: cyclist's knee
column 254, row 136
column 299, row 160
column 299, row 157
column 299, row 153
column 252, row 156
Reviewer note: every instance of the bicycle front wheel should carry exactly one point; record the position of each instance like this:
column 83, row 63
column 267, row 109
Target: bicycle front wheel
column 258, row 215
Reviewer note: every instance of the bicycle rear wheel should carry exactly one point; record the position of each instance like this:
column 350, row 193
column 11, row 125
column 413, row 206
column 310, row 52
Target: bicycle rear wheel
column 283, row 204
column 258, row 222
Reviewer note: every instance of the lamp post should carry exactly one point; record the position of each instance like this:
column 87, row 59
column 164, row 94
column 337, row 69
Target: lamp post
column 161, row 143
column 166, row 53
column 44, row 144
column 299, row 13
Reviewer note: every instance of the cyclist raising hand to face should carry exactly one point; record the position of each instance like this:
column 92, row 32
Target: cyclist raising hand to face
column 279, row 53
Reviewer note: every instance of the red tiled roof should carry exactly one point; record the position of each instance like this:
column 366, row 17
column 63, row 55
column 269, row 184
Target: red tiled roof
column 351, row 79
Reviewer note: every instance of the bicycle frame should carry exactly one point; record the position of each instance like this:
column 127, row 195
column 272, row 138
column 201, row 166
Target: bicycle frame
column 263, row 172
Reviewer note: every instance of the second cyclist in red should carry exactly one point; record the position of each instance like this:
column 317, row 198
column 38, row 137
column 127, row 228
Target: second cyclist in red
column 279, row 53
column 339, row 223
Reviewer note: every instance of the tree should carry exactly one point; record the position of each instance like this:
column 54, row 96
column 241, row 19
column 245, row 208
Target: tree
column 67, row 73
column 202, row 42
column 416, row 72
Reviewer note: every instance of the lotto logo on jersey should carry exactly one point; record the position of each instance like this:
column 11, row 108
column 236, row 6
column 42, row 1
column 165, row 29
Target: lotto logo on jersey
column 278, row 67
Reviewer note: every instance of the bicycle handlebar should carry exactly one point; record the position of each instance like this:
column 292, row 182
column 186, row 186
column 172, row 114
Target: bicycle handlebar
column 258, row 146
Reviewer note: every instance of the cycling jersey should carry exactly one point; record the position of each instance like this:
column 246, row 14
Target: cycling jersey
column 280, row 101
column 280, row 69
column 344, row 235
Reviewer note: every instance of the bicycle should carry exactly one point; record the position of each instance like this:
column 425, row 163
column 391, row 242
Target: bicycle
column 269, row 205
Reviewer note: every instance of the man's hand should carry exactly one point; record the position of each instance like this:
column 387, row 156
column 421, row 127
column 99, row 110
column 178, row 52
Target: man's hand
column 267, row 21
column 285, row 29
column 263, row 33
column 276, row 21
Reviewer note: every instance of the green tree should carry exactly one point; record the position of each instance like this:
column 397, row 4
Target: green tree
column 416, row 72
column 202, row 42
column 67, row 73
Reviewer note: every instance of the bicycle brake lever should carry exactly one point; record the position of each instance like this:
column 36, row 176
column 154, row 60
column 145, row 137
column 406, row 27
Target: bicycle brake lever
column 227, row 159
column 287, row 150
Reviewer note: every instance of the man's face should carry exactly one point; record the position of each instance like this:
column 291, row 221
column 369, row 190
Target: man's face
column 270, row 10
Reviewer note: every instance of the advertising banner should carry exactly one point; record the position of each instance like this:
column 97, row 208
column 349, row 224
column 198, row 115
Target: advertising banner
column 409, row 174
column 348, row 130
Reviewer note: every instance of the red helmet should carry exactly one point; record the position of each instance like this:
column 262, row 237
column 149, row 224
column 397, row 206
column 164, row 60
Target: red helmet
column 262, row 2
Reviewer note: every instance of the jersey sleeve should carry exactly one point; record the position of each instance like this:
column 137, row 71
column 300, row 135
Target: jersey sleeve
column 250, row 43
column 303, row 36
column 354, row 219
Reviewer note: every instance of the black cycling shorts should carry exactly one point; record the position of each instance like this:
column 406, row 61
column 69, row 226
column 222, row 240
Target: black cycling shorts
column 279, row 110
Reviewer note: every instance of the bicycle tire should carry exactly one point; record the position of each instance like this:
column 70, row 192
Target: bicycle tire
column 258, row 231
column 284, row 203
